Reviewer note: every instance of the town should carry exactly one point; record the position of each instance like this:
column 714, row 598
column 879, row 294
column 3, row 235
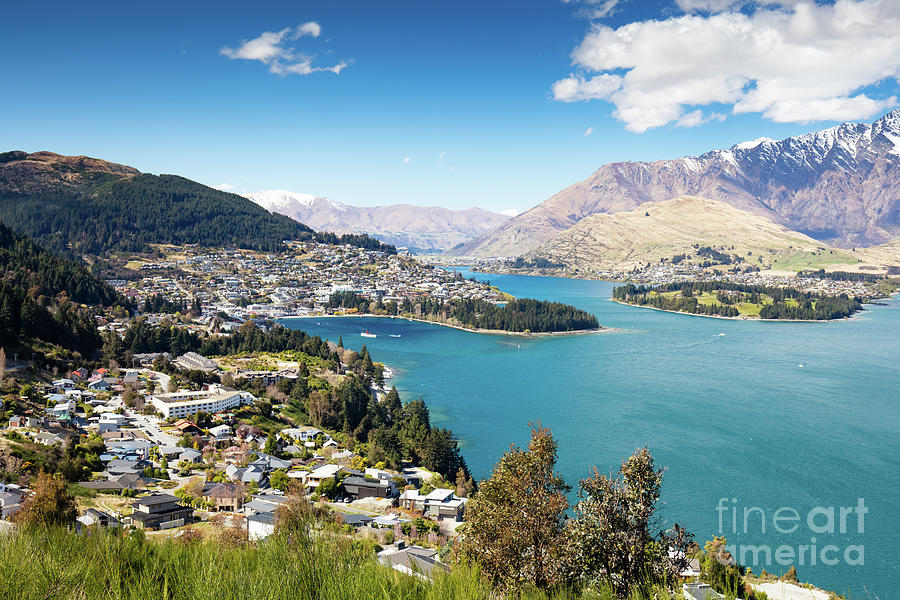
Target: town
column 186, row 461
column 296, row 282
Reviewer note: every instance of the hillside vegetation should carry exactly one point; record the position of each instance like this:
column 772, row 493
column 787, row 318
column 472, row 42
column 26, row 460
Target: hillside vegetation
column 42, row 297
column 676, row 230
column 85, row 206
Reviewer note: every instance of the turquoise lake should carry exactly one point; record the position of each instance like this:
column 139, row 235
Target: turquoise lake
column 745, row 415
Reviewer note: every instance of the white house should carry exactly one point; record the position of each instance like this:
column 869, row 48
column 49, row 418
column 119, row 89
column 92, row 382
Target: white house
column 316, row 477
column 221, row 432
column 63, row 409
column 64, row 384
column 111, row 422
column 260, row 526
column 439, row 504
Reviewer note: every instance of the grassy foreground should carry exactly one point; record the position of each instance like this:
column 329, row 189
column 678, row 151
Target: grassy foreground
column 54, row 563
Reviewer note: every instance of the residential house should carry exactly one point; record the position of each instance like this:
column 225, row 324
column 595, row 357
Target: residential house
column 317, row 476
column 357, row 487
column 159, row 511
column 47, row 438
column 250, row 474
column 224, row 496
column 100, row 385
column 354, row 520
column 264, row 503
column 138, row 449
column 700, row 591
column 301, row 434
column 260, row 526
column 186, row 427
column 117, row 483
column 93, row 518
column 221, row 433
column 190, row 455
column 11, row 498
column 439, row 504
column 412, row 560
column 64, row 384
column 111, row 422
column 64, row 408
column 122, row 467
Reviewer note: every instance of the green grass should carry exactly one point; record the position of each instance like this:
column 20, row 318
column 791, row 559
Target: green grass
column 56, row 564
column 748, row 309
column 802, row 261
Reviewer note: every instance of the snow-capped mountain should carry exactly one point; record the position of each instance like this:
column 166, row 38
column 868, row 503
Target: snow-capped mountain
column 403, row 225
column 840, row 185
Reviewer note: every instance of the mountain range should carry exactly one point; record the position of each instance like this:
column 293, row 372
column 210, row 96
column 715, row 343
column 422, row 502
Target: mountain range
column 840, row 186
column 421, row 228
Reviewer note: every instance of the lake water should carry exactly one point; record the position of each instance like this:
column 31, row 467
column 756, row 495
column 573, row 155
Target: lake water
column 746, row 416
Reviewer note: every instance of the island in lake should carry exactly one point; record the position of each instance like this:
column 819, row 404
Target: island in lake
column 522, row 316
column 739, row 301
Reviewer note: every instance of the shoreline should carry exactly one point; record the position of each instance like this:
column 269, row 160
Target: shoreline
column 746, row 319
column 601, row 329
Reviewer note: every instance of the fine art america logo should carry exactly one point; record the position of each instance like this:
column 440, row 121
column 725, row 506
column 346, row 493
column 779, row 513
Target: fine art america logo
column 787, row 521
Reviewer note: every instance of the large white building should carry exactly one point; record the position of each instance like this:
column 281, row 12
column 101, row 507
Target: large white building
column 213, row 400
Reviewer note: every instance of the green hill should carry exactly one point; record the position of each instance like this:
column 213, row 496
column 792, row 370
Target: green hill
column 81, row 205
column 41, row 297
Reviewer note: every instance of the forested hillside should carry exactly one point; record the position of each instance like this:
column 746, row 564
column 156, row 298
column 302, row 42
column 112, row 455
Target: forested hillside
column 41, row 297
column 92, row 208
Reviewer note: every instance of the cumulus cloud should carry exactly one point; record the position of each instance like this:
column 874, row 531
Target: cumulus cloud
column 790, row 61
column 272, row 49
column 589, row 131
column 224, row 187
column 510, row 212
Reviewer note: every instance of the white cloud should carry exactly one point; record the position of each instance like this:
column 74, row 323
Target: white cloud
column 595, row 9
column 406, row 160
column 224, row 187
column 442, row 156
column 574, row 87
column 510, row 212
column 709, row 5
column 312, row 28
column 589, row 131
column 790, row 61
column 714, row 6
column 271, row 48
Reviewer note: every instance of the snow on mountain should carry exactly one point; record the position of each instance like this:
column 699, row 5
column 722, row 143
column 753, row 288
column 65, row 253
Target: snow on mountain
column 751, row 144
column 840, row 185
column 403, row 225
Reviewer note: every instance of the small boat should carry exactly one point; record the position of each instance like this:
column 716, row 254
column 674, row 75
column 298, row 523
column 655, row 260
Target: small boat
column 367, row 334
column 394, row 335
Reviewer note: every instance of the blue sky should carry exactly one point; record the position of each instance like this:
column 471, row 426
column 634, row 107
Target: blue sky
column 440, row 103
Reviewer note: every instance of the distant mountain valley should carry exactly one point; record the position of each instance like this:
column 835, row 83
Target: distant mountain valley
column 418, row 228
column 838, row 188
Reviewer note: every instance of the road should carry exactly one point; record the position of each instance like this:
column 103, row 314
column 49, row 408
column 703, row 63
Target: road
column 154, row 433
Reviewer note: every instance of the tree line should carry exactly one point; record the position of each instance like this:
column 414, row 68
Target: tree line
column 806, row 305
column 518, row 315
column 43, row 297
column 105, row 214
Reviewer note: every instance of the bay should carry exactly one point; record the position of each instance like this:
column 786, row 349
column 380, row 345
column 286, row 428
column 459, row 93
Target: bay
column 751, row 416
